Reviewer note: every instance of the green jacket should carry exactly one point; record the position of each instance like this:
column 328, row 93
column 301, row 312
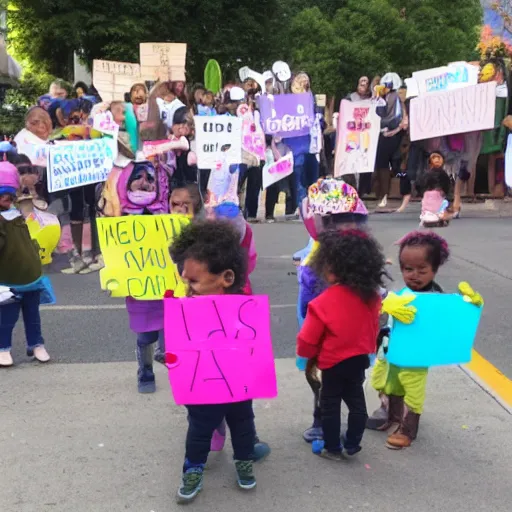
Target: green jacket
column 19, row 256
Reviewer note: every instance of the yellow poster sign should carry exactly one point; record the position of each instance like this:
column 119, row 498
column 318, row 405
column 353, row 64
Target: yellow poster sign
column 135, row 249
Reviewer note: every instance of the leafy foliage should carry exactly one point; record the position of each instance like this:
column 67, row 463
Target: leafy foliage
column 335, row 41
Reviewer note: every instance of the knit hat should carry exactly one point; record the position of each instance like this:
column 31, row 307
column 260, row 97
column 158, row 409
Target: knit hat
column 9, row 178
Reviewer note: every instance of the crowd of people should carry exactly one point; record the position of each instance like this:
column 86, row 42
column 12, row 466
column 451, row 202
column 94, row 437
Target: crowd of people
column 342, row 295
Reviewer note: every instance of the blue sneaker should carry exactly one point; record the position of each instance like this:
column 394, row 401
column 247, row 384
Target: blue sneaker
column 244, row 471
column 261, row 451
column 191, row 485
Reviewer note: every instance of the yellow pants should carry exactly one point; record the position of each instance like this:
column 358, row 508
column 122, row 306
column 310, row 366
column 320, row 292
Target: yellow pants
column 411, row 383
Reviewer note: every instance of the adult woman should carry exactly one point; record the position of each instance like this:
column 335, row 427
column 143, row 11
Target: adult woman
column 38, row 127
column 362, row 92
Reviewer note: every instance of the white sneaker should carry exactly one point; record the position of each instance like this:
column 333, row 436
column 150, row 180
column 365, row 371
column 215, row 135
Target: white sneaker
column 384, row 202
column 41, row 355
column 6, row 359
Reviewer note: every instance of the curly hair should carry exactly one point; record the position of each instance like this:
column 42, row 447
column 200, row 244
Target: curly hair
column 215, row 243
column 437, row 247
column 355, row 258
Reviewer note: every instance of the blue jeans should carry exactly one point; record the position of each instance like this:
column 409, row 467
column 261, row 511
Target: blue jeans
column 305, row 168
column 9, row 315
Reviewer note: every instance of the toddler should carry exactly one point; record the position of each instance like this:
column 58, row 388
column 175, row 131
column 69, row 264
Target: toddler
column 213, row 263
column 20, row 270
column 341, row 329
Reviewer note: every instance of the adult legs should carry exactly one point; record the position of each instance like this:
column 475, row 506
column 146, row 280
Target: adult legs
column 271, row 198
column 254, row 180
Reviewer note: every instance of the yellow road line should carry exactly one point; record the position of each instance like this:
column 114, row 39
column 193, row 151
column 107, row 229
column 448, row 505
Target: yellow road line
column 498, row 383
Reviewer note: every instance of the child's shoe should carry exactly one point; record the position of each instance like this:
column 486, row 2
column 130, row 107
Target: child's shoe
column 318, row 448
column 313, row 433
column 41, row 354
column 348, row 449
column 145, row 374
column 191, row 484
column 261, row 451
column 6, row 359
column 244, row 471
column 146, row 381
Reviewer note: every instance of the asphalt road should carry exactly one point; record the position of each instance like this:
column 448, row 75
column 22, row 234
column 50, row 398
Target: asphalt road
column 81, row 330
column 79, row 437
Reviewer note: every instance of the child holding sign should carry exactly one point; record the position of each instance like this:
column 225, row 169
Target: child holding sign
column 421, row 255
column 340, row 332
column 214, row 263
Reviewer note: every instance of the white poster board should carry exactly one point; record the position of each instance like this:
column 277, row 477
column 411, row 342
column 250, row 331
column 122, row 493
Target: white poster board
column 464, row 110
column 276, row 171
column 445, row 78
column 357, row 138
column 163, row 61
column 113, row 79
column 218, row 141
column 79, row 163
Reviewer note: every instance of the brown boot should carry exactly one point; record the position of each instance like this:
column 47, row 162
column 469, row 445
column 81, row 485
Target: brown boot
column 395, row 413
column 406, row 433
column 379, row 417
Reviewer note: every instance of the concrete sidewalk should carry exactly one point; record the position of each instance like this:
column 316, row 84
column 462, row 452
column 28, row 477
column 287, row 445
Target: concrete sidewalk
column 79, row 438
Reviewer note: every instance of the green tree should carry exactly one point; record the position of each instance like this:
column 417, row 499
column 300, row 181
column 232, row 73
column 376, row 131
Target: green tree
column 236, row 33
column 376, row 36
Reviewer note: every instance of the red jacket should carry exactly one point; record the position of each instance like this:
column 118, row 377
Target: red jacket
column 339, row 325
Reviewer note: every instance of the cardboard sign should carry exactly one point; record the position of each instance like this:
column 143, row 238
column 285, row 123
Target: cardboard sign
column 443, row 332
column 276, row 171
column 135, row 249
column 79, row 163
column 357, row 138
column 219, row 349
column 163, row 61
column 218, row 140
column 113, row 79
column 287, row 115
column 464, row 110
column 104, row 123
column 253, row 138
column 445, row 78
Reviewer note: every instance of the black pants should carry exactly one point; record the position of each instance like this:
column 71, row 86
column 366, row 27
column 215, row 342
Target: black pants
column 289, row 185
column 204, row 419
column 344, row 382
column 271, row 199
column 253, row 176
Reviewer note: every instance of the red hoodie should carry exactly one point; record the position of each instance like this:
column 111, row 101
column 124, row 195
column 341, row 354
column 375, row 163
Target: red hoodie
column 339, row 325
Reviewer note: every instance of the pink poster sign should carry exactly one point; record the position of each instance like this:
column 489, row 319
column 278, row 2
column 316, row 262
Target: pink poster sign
column 219, row 349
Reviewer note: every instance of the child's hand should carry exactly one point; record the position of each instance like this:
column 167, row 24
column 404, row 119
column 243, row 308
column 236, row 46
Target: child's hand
column 470, row 295
column 398, row 307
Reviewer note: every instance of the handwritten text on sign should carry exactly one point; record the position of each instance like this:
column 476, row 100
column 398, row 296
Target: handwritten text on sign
column 219, row 349
column 78, row 163
column 218, row 140
column 358, row 137
column 469, row 109
column 163, row 61
column 136, row 254
column 287, row 115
